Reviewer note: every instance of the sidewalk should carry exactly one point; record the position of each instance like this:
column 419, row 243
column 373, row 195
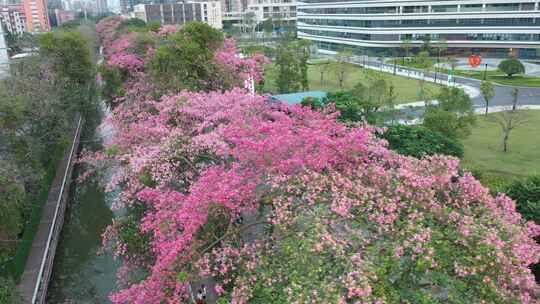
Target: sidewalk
column 38, row 268
column 400, row 71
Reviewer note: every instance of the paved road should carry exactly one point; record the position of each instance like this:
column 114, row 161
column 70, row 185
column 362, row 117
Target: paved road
column 527, row 96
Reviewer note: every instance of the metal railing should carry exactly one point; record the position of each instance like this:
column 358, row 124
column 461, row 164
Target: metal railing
column 47, row 254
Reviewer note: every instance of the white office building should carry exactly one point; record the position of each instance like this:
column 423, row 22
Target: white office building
column 280, row 11
column 493, row 28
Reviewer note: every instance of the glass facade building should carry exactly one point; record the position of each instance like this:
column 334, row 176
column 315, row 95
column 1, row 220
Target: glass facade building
column 493, row 28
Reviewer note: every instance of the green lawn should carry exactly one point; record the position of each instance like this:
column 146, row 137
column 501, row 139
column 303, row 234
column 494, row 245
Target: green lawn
column 483, row 149
column 406, row 89
column 411, row 63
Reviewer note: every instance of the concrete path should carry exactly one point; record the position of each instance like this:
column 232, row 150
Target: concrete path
column 531, row 69
column 38, row 268
column 503, row 97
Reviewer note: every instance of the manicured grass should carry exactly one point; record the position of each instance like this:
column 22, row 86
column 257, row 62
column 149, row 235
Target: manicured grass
column 406, row 89
column 483, row 149
column 411, row 63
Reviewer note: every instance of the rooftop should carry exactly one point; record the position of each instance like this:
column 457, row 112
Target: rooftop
column 296, row 98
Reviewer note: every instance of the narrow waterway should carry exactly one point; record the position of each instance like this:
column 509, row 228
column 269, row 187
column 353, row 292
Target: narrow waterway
column 82, row 272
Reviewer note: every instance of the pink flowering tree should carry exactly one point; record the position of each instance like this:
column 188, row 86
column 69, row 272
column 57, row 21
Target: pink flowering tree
column 286, row 203
column 264, row 203
column 195, row 57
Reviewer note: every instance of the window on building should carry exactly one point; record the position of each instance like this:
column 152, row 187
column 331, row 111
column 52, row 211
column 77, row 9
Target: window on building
column 415, row 9
column 471, row 7
column 502, row 7
column 444, row 8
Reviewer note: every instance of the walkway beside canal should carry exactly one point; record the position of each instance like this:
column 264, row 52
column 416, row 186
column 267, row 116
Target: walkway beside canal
column 37, row 272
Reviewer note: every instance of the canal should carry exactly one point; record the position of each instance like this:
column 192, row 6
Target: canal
column 83, row 272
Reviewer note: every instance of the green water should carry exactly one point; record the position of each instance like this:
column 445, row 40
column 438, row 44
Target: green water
column 80, row 274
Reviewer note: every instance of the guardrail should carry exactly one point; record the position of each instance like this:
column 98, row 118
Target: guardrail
column 39, row 293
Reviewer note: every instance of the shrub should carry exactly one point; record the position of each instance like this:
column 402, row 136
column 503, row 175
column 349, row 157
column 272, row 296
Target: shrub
column 419, row 141
column 12, row 198
column 8, row 292
column 313, row 102
column 511, row 67
column 526, row 193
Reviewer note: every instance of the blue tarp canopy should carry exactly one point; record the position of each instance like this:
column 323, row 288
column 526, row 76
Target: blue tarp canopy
column 296, row 98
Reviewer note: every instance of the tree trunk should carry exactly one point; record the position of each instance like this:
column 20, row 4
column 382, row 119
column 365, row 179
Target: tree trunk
column 322, row 75
column 341, row 77
column 487, row 107
column 505, row 143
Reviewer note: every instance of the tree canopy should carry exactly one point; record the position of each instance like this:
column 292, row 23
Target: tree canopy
column 418, row 141
column 453, row 115
column 511, row 66
column 269, row 203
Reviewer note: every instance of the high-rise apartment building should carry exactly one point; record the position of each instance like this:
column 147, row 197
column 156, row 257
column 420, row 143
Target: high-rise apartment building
column 37, row 19
column 180, row 13
column 235, row 11
column 494, row 28
column 12, row 17
column 101, row 6
column 4, row 64
column 283, row 10
column 63, row 16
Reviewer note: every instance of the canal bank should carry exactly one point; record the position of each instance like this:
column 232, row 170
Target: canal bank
column 82, row 273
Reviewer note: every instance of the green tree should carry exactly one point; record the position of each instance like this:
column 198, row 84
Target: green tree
column 288, row 76
column 511, row 67
column 132, row 25
column 323, row 68
column 441, row 47
column 249, row 21
column 12, row 199
column 69, row 55
column 364, row 101
column 422, row 60
column 453, row 116
column 291, row 61
column 68, row 52
column 268, row 26
column 303, row 50
column 186, row 60
column 426, row 43
column 406, row 46
column 488, row 92
column 508, row 121
column 153, row 26
column 418, row 141
column 342, row 66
